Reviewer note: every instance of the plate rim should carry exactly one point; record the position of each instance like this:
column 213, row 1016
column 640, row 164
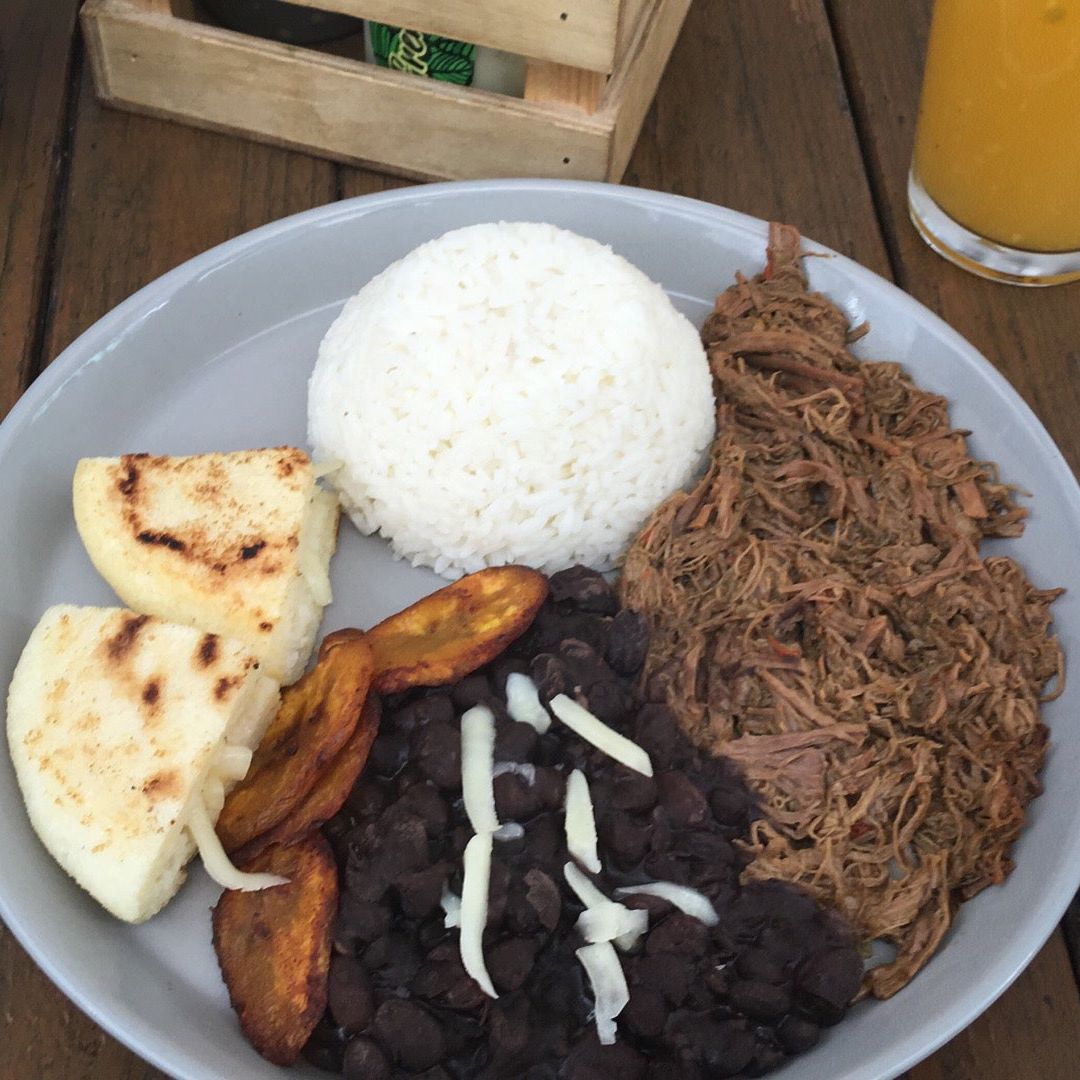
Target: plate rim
column 110, row 329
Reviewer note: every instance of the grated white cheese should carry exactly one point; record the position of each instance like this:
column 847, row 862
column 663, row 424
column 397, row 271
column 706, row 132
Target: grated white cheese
column 451, row 904
column 474, row 909
column 595, row 731
column 477, row 768
column 217, row 863
column 608, row 983
column 612, row 921
column 322, row 507
column 581, row 822
column 593, row 898
column 687, row 900
column 232, row 762
column 523, row 702
column 583, row 888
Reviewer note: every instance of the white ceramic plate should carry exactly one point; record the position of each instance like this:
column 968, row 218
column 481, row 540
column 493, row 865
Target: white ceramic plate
column 215, row 356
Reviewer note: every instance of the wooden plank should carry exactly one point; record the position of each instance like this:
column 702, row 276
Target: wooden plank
column 751, row 99
column 558, row 84
column 580, row 33
column 631, row 89
column 143, row 195
column 1031, row 335
column 1030, row 1033
column 35, row 57
column 347, row 110
column 630, row 15
column 146, row 194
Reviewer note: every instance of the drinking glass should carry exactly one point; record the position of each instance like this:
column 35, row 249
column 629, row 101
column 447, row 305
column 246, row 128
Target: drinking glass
column 995, row 178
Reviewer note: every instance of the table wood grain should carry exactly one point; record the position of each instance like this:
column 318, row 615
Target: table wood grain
column 798, row 110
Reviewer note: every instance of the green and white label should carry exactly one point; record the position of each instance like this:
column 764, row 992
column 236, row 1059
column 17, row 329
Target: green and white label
column 423, row 54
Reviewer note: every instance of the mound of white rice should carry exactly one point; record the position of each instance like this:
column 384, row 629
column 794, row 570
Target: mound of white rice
column 509, row 393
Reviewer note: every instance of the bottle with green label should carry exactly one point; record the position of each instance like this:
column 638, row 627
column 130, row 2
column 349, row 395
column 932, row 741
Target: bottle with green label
column 443, row 59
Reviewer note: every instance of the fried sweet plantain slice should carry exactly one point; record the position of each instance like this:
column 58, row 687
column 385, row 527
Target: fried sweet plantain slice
column 318, row 715
column 452, row 632
column 331, row 789
column 273, row 947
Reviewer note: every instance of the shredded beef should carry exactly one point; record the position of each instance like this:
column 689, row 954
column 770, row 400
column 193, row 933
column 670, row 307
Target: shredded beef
column 820, row 614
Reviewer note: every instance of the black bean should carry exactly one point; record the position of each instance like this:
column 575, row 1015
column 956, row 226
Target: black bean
column 594, row 630
column 826, row 982
column 515, row 797
column 608, row 700
column 437, row 750
column 432, row 931
column 365, row 1061
column 465, row 994
column 730, row 1051
column 711, row 848
column 439, row 972
column 552, row 676
column 766, row 1058
column 646, row 1012
column 628, row 642
column 364, row 879
column 472, row 690
column 664, row 866
column 584, row 589
column 515, row 741
column 388, row 753
column 502, row 668
column 543, row 635
column 549, row 786
column 761, row 1000
column 624, row 840
column 420, row 893
column 423, row 801
column 685, row 804
column 363, row 919
column 410, row 1034
column 437, row 1073
column 510, row 962
column 434, row 708
column 671, row 1070
column 797, row 1034
column 498, row 891
column 657, row 732
column 366, row 800
column 761, row 966
column 393, row 960
column 619, row 1059
column 543, row 839
column 633, row 792
column 349, row 996
column 729, row 805
column 325, row 1049
column 508, row 1029
column 657, row 907
column 544, row 897
column 679, row 934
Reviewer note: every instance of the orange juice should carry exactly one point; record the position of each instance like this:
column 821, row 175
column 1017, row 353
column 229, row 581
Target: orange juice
column 998, row 139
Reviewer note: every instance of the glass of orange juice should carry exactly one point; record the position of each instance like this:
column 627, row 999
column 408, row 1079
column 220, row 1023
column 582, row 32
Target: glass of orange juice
column 995, row 178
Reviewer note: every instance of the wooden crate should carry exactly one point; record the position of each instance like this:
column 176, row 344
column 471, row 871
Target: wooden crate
column 592, row 70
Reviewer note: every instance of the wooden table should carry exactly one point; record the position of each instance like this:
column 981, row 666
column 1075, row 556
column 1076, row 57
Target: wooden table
column 797, row 110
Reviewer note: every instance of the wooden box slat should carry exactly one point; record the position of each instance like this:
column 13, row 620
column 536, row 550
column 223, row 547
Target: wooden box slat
column 146, row 59
column 579, row 33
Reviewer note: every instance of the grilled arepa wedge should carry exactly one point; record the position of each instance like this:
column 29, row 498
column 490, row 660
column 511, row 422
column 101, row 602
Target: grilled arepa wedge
column 237, row 544
column 126, row 732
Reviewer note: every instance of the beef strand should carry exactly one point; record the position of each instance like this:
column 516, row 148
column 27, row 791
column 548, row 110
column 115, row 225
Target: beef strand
column 820, row 613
